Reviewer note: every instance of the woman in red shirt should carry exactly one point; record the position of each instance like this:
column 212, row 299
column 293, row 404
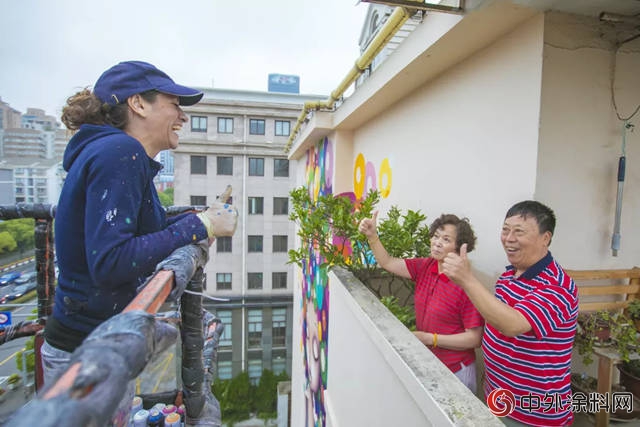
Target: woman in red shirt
column 446, row 320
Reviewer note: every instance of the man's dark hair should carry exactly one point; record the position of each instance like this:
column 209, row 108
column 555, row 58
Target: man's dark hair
column 543, row 214
column 464, row 232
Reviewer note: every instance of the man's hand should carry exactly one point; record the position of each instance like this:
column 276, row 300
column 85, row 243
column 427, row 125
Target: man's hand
column 456, row 267
column 221, row 218
column 368, row 226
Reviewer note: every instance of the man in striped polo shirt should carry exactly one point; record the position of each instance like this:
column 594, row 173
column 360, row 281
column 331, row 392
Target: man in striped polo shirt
column 530, row 322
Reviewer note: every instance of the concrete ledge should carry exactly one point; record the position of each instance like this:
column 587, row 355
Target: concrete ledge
column 380, row 374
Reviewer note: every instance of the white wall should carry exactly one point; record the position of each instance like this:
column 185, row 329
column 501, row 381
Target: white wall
column 581, row 139
column 466, row 143
column 381, row 375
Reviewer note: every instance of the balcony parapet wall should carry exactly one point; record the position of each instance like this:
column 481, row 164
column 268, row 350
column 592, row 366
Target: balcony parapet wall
column 380, row 374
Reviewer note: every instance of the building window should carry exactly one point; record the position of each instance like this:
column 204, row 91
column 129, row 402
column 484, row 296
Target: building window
column 198, row 200
column 256, row 126
column 255, row 371
column 280, row 244
column 281, row 206
column 255, row 243
column 198, row 165
column 254, row 280
column 279, row 326
column 278, row 361
column 223, row 244
column 225, row 370
column 279, row 280
column 254, row 318
column 198, row 124
column 280, row 167
column 225, row 318
column 225, row 125
column 225, row 165
column 256, row 166
column 223, row 281
column 256, row 205
column 283, row 128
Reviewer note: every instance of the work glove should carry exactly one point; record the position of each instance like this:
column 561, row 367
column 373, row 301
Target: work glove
column 221, row 218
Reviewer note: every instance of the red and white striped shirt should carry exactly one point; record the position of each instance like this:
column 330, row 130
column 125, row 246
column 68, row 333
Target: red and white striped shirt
column 442, row 307
column 535, row 366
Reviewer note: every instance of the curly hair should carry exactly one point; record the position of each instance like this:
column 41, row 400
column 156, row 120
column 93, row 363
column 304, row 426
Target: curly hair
column 85, row 108
column 464, row 232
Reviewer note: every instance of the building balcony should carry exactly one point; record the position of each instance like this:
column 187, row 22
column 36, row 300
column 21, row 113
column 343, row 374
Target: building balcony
column 379, row 374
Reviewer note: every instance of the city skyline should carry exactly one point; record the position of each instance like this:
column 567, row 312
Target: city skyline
column 63, row 47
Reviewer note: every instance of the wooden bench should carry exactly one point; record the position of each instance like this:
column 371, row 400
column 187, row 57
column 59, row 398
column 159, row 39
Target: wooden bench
column 606, row 290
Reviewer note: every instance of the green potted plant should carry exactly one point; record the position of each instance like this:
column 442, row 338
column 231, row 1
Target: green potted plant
column 633, row 311
column 593, row 329
column 630, row 376
column 330, row 224
column 624, row 335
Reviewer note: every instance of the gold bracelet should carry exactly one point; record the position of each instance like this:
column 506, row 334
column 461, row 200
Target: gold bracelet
column 435, row 340
column 376, row 239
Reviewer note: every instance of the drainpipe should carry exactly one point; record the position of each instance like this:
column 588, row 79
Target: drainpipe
column 244, row 245
column 390, row 28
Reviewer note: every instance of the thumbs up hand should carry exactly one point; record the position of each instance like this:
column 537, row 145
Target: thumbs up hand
column 368, row 226
column 457, row 267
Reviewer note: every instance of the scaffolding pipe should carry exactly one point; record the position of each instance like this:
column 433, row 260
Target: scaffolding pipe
column 90, row 389
column 45, row 272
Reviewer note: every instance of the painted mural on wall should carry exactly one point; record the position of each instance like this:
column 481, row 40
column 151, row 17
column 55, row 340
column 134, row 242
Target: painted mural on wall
column 315, row 293
column 366, row 177
column 315, row 285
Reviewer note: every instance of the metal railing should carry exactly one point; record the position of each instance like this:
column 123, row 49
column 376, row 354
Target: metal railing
column 93, row 384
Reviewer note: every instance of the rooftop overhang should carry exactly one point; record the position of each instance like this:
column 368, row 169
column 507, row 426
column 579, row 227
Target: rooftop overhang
column 438, row 43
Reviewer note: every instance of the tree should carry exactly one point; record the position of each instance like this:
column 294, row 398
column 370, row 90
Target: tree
column 22, row 230
column 235, row 397
column 166, row 197
column 266, row 397
column 165, row 200
column 7, row 242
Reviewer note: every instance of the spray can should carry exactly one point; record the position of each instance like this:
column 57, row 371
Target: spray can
column 168, row 410
column 181, row 411
column 155, row 418
column 136, row 405
column 140, row 418
column 172, row 420
column 159, row 406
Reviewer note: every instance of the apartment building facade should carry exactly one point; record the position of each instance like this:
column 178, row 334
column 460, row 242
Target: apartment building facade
column 31, row 150
column 237, row 138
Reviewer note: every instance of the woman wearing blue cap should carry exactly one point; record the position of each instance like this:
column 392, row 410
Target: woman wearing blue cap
column 111, row 230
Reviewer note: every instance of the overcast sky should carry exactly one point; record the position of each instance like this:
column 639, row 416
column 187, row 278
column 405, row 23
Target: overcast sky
column 51, row 49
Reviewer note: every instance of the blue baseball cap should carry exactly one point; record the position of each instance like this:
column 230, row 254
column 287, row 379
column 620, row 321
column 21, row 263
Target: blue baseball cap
column 130, row 77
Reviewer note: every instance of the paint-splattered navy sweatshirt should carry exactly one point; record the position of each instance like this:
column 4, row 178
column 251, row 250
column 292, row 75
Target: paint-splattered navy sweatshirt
column 110, row 228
